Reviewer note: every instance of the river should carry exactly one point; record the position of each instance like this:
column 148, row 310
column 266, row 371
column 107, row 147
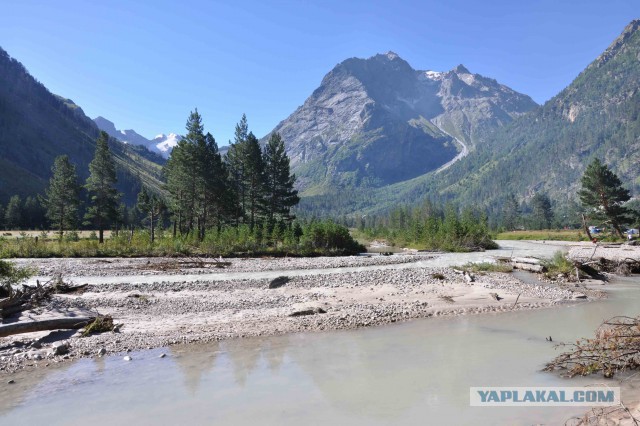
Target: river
column 414, row 373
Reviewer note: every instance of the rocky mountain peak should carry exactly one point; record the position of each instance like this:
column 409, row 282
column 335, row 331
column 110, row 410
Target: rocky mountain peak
column 377, row 121
column 106, row 125
column 161, row 144
column 391, row 55
column 628, row 39
column 461, row 69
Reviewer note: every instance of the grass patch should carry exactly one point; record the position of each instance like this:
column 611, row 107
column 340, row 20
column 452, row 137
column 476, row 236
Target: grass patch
column 100, row 325
column 558, row 264
column 485, row 267
column 548, row 235
column 554, row 235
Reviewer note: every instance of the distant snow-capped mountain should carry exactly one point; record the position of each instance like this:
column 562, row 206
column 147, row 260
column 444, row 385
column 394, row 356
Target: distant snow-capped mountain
column 162, row 144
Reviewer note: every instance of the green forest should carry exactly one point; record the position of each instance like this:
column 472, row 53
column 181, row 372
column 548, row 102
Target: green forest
column 239, row 204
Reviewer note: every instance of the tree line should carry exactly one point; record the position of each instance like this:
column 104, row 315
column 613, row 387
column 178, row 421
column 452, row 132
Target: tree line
column 251, row 185
column 431, row 227
column 60, row 206
column 242, row 200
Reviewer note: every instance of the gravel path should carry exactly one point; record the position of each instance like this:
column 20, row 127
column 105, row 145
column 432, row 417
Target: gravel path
column 117, row 267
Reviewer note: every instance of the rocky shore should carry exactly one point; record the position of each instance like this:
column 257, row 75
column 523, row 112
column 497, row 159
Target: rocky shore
column 161, row 313
column 614, row 253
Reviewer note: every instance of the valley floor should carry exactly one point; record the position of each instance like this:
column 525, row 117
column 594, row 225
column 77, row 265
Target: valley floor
column 159, row 302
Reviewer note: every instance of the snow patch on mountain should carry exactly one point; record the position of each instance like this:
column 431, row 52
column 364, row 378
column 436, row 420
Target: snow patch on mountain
column 164, row 144
column 161, row 144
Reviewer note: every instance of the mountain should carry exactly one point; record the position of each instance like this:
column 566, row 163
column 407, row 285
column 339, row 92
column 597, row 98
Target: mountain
column 161, row 144
column 547, row 150
column 377, row 121
column 164, row 144
column 36, row 126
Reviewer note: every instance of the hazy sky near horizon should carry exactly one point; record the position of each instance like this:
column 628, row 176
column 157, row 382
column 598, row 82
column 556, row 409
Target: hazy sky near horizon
column 146, row 64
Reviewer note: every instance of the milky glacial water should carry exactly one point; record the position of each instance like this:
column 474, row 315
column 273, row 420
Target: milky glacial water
column 414, row 373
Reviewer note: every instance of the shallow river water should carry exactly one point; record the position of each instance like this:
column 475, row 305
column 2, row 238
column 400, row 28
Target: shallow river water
column 415, row 373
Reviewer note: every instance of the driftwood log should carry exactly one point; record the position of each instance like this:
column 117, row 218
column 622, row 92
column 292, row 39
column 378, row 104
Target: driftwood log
column 45, row 325
column 528, row 264
column 28, row 297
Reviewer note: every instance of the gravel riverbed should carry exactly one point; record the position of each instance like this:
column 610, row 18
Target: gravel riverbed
column 165, row 312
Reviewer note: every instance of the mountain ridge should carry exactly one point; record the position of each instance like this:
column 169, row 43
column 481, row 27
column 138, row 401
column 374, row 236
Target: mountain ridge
column 542, row 151
column 161, row 144
column 36, row 126
column 378, row 121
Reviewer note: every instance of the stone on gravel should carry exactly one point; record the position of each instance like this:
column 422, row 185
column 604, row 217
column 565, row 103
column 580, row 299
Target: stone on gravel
column 278, row 282
column 304, row 312
column 60, row 348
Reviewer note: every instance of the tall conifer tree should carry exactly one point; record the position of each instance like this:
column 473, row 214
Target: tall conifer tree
column 279, row 192
column 104, row 198
column 253, row 180
column 62, row 197
column 235, row 167
column 602, row 196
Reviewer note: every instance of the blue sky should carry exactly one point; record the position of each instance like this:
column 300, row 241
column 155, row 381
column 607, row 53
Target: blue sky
column 146, row 64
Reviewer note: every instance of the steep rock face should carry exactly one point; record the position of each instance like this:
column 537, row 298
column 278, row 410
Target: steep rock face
column 474, row 105
column 377, row 121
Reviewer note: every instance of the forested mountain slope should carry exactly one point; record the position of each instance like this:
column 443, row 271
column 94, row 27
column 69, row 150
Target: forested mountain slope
column 36, row 126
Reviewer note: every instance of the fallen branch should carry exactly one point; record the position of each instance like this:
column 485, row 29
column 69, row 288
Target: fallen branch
column 516, row 302
column 615, row 347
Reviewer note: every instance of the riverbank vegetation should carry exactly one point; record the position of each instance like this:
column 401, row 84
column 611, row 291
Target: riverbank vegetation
column 312, row 238
column 430, row 227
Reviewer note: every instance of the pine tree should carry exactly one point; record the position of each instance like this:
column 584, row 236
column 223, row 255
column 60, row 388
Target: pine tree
column 33, row 213
column 104, row 198
column 279, row 182
column 542, row 214
column 217, row 202
column 197, row 180
column 152, row 207
column 178, row 174
column 13, row 213
column 511, row 213
column 602, row 196
column 253, row 180
column 235, row 167
column 62, row 197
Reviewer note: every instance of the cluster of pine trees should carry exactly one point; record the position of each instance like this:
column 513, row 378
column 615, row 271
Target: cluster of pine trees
column 61, row 206
column 250, row 186
column 219, row 204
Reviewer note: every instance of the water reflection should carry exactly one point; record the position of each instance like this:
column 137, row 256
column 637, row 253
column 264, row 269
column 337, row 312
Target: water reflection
column 194, row 365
